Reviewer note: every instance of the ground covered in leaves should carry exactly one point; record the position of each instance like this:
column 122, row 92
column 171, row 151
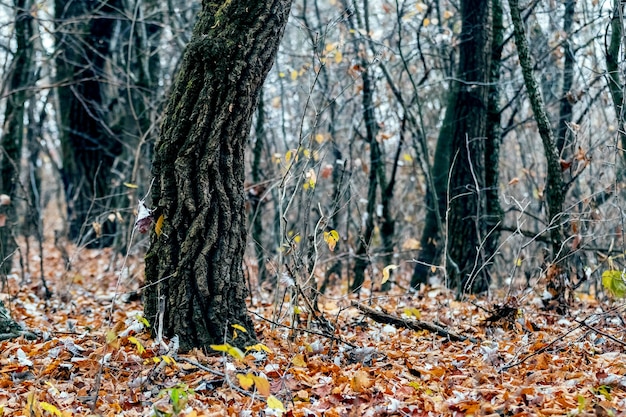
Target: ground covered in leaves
column 93, row 354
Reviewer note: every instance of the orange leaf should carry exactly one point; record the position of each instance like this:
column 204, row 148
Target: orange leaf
column 158, row 227
column 262, row 385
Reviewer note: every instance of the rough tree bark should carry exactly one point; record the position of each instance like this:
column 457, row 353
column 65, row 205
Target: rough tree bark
column 195, row 286
column 84, row 30
column 460, row 160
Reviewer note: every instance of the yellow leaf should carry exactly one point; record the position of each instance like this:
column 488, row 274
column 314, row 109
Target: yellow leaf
column 426, row 22
column 294, row 75
column 447, row 14
column 311, row 179
column 168, row 359
column 262, row 385
column 245, row 381
column 50, row 408
column 142, row 320
column 158, row 227
column 289, row 155
column 319, row 138
column 111, row 336
column 412, row 311
column 281, row 74
column 298, row 360
column 338, row 57
column 54, row 389
column 239, row 327
column 407, row 157
column 275, row 404
column 331, row 238
column 416, row 385
column 137, row 343
column 220, row 348
column 386, row 272
column 236, row 353
column 259, row 347
column 130, row 185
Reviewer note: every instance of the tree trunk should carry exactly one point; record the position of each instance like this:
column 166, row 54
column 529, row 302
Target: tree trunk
column 495, row 214
column 555, row 187
column 195, row 285
column 563, row 134
column 460, row 159
column 613, row 72
column 21, row 75
column 84, row 30
column 466, row 225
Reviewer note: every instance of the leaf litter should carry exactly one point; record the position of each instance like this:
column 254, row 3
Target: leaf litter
column 516, row 359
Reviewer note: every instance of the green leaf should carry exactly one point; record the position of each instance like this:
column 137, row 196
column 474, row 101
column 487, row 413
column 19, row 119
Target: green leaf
column 613, row 281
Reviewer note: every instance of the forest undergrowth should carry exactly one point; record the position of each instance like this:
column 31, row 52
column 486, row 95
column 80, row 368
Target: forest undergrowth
column 93, row 354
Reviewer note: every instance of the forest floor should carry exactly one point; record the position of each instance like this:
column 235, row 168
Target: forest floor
column 94, row 356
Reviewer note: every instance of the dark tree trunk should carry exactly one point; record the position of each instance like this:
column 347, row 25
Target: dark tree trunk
column 466, row 225
column 84, row 29
column 195, row 286
column 495, row 214
column 460, row 156
column 21, row 75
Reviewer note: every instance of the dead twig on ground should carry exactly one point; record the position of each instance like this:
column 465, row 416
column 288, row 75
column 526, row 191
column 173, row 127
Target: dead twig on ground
column 413, row 324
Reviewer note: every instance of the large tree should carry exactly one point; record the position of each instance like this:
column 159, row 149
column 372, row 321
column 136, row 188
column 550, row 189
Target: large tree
column 458, row 204
column 195, row 287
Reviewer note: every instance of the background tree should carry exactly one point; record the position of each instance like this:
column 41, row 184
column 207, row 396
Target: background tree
column 194, row 266
column 21, row 77
column 84, row 33
column 460, row 162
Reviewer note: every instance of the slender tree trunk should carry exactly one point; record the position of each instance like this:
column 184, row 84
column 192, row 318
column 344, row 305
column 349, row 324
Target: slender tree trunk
column 613, row 72
column 494, row 212
column 257, row 191
column 563, row 134
column 195, row 286
column 555, row 187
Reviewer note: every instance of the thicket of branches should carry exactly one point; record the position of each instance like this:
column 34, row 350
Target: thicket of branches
column 341, row 163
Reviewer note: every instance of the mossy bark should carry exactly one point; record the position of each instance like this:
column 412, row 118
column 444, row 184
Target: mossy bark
column 195, row 286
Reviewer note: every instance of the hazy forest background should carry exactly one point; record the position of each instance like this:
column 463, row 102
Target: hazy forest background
column 391, row 149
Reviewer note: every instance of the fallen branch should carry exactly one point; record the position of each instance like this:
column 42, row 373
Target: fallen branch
column 413, row 324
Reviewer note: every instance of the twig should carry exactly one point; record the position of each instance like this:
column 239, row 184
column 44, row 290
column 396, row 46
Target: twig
column 595, row 329
column 323, row 334
column 538, row 351
column 385, row 318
